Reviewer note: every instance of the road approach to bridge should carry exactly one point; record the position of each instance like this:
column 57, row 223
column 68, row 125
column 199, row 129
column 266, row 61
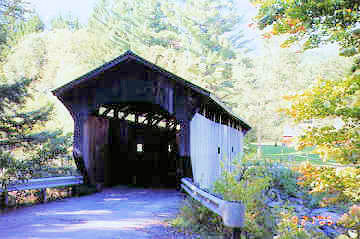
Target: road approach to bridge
column 119, row 212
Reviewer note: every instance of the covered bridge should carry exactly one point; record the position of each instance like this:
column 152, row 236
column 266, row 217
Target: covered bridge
column 136, row 123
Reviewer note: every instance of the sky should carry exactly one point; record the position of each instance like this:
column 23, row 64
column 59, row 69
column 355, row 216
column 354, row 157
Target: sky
column 47, row 9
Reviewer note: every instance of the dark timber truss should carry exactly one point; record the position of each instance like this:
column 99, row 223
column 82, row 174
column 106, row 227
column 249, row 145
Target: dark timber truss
column 138, row 115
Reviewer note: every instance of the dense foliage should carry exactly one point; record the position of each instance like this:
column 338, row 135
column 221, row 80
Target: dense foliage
column 198, row 40
column 333, row 108
column 22, row 129
column 313, row 23
column 341, row 184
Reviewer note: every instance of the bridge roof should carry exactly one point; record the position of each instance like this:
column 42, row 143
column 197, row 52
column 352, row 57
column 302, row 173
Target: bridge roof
column 130, row 56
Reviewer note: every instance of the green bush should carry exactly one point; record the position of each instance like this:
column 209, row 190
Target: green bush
column 283, row 178
column 195, row 218
column 247, row 185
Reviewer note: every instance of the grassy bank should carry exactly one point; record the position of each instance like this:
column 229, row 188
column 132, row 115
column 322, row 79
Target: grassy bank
column 290, row 155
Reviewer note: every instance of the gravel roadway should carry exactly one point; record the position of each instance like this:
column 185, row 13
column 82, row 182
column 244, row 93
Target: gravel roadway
column 118, row 212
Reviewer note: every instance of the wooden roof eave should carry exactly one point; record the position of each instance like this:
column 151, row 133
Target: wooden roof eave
column 127, row 56
column 243, row 123
column 130, row 56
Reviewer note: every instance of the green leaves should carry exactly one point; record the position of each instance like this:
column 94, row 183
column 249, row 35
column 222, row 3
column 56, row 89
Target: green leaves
column 318, row 21
column 198, row 41
column 23, row 115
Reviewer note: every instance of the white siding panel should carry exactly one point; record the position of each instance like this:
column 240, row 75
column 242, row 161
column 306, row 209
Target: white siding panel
column 205, row 138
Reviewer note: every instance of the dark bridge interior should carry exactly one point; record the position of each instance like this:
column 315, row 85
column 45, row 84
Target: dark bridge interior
column 142, row 146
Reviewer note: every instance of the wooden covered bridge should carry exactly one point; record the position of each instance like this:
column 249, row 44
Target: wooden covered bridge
column 136, row 123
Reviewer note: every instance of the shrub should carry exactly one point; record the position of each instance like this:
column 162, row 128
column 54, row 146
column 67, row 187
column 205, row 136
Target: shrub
column 342, row 182
column 351, row 221
column 290, row 227
column 247, row 185
column 283, row 178
column 194, row 217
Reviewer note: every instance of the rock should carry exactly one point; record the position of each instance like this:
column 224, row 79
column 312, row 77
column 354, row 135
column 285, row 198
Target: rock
column 330, row 232
column 353, row 234
column 313, row 229
column 273, row 194
column 300, row 194
column 275, row 203
column 296, row 200
column 326, row 213
column 299, row 208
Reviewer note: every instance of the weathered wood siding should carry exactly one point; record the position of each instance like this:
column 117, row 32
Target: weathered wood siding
column 207, row 138
column 95, row 145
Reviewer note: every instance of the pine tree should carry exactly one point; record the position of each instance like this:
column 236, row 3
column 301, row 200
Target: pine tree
column 198, row 40
column 65, row 22
column 20, row 130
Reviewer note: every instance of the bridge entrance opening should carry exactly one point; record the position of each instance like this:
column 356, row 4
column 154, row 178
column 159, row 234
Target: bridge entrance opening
column 142, row 147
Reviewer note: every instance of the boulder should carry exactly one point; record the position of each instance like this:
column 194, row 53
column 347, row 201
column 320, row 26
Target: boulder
column 326, row 213
column 330, row 232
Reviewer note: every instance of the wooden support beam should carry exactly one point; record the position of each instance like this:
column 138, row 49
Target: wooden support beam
column 106, row 111
column 136, row 118
column 126, row 114
column 172, row 123
column 116, row 113
column 145, row 116
column 149, row 117
column 158, row 121
column 155, row 120
column 124, row 108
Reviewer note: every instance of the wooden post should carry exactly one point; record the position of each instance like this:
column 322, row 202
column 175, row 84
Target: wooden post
column 4, row 199
column 136, row 118
column 43, row 195
column 74, row 191
column 236, row 233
